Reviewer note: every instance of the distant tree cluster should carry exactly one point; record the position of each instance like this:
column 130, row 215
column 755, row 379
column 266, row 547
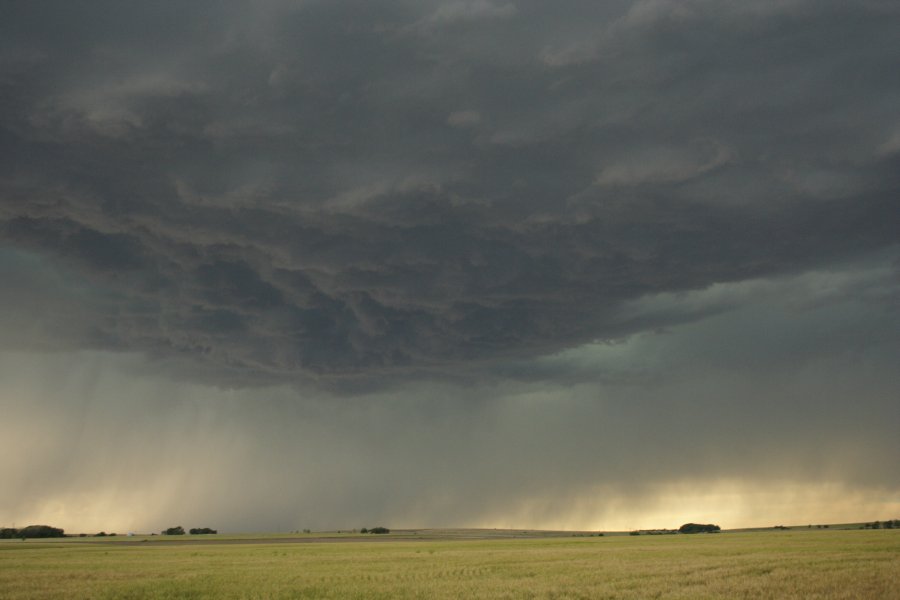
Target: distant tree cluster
column 179, row 530
column 32, row 531
column 894, row 524
column 375, row 530
column 698, row 528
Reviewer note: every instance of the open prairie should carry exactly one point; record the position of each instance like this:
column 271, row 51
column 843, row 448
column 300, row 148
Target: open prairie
column 825, row 564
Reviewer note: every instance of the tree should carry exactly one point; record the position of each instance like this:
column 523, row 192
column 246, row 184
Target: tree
column 698, row 528
column 202, row 530
column 40, row 531
column 174, row 531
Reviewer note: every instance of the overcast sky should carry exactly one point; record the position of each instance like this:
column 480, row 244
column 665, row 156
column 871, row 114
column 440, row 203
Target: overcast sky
column 333, row 264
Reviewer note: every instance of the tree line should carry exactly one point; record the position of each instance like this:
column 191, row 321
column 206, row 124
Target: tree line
column 375, row 530
column 179, row 530
column 891, row 524
column 31, row 531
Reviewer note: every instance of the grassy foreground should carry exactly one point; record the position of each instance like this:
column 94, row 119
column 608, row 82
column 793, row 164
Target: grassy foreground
column 789, row 564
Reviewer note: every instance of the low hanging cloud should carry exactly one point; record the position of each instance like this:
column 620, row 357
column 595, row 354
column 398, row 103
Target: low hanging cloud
column 322, row 189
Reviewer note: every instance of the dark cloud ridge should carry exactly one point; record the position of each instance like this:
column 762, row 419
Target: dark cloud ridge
column 346, row 188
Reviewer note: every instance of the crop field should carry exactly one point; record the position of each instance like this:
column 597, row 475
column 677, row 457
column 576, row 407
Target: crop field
column 806, row 564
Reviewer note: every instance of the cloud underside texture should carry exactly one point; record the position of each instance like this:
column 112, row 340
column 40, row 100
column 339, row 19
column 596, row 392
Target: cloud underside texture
column 368, row 187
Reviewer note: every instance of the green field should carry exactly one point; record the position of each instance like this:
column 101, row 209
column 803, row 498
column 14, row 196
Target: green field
column 771, row 564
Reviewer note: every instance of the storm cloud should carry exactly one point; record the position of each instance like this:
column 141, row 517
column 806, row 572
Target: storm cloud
column 346, row 187
column 567, row 256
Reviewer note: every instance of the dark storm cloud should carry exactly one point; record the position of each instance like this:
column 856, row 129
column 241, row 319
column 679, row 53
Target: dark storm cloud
column 345, row 187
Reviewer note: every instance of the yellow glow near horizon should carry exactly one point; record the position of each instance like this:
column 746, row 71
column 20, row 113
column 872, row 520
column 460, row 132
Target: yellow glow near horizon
column 732, row 504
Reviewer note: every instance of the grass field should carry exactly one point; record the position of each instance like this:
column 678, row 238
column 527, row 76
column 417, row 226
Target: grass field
column 783, row 564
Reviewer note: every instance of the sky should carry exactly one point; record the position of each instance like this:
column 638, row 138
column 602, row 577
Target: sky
column 474, row 263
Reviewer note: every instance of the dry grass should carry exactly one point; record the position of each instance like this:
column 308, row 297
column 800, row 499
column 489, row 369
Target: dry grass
column 791, row 564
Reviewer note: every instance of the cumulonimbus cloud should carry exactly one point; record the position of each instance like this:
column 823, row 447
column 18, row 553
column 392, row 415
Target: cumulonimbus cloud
column 287, row 194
